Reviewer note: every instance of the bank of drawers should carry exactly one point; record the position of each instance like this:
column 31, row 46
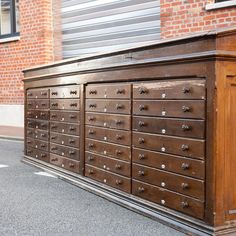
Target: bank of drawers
column 168, row 141
column 108, row 135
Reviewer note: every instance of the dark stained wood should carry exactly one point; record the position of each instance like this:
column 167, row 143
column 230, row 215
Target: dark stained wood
column 65, row 116
column 67, row 140
column 65, row 104
column 65, row 92
column 65, row 128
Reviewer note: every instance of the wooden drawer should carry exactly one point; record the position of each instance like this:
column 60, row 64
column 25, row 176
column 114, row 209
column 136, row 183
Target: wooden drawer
column 37, row 104
column 109, row 164
column 69, row 152
column 167, row 126
column 177, row 89
column 37, row 93
column 72, row 91
column 37, row 134
column 72, row 129
column 108, row 149
column 108, row 106
column 65, row 163
column 108, row 121
column 38, row 154
column 108, row 135
column 65, row 104
column 175, row 108
column 113, row 180
column 37, row 144
column 65, row 116
column 177, row 164
column 185, row 185
column 38, row 114
column 44, row 125
column 167, row 144
column 169, row 199
column 120, row 91
column 72, row 141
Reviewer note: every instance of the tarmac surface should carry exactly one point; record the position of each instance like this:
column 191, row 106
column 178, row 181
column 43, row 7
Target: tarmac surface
column 34, row 203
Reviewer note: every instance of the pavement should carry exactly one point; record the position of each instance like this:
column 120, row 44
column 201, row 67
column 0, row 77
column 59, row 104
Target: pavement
column 11, row 132
column 35, row 203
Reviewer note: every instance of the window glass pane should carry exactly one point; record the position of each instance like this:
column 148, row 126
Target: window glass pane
column 5, row 20
column 17, row 16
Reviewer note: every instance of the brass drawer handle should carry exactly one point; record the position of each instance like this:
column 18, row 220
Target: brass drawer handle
column 118, row 167
column 118, row 152
column 92, row 105
column 30, row 104
column 185, row 147
column 142, row 107
column 29, row 132
column 92, row 91
column 184, row 204
column 54, row 104
column 42, row 145
column 43, row 104
column 186, row 90
column 141, row 124
column 43, row 135
column 29, row 113
column 141, row 173
column 73, row 92
column 185, row 166
column 53, row 115
column 143, row 90
column 71, row 141
column 54, row 159
column 119, row 182
column 71, row 165
column 30, row 123
column 91, row 132
column 91, row 118
column 71, row 152
column 141, row 156
column 141, row 140
column 119, row 122
column 186, row 127
column 186, row 109
column 184, row 186
column 73, row 116
column 72, row 128
column 90, row 158
column 29, row 142
column 119, row 106
column 53, row 126
column 42, row 114
column 43, row 155
column 90, row 172
column 29, row 94
column 44, row 93
column 53, row 148
column 119, row 137
column 91, row 145
column 73, row 104
column 54, row 93
column 53, row 137
column 120, row 91
column 29, row 151
column 141, row 189
column 44, row 125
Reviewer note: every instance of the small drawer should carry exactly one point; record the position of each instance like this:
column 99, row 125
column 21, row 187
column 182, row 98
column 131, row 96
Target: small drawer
column 108, row 149
column 65, row 116
column 37, row 134
column 192, row 148
column 180, row 165
column 65, row 104
column 72, row 91
column 109, row 164
column 37, row 93
column 38, row 154
column 175, row 108
column 43, row 125
column 175, row 89
column 37, row 144
column 38, row 114
column 121, row 122
column 38, row 104
column 71, row 141
column 184, row 185
column 108, row 91
column 108, row 135
column 108, row 106
column 71, row 129
column 168, row 199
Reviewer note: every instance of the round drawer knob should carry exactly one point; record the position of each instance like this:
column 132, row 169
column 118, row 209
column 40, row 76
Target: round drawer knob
column 184, row 186
column 141, row 189
column 184, row 204
column 141, row 173
column 163, row 202
column 185, row 166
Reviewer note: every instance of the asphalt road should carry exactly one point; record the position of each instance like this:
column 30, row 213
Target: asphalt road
column 35, row 204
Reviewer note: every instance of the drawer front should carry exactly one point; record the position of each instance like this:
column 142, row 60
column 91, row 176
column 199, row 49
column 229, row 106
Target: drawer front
column 168, row 199
column 38, row 134
column 120, row 91
column 37, row 144
column 38, row 104
column 179, row 146
column 108, row 135
column 121, row 122
column 72, row 141
column 65, row 116
column 113, row 180
column 65, row 104
column 109, row 164
column 178, row 109
column 72, row 91
column 108, row 106
column 108, row 149
column 37, row 114
column 69, row 152
column 37, row 93
column 72, row 129
column 176, row 164
column 185, row 185
column 38, row 154
column 165, row 126
column 56, row 160
column 178, row 89
column 43, row 125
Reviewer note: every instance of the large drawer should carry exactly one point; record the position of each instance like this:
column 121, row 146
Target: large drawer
column 108, row 135
column 35, row 124
column 177, row 89
column 37, row 104
column 67, row 140
column 65, row 163
column 72, row 129
column 38, row 154
column 37, row 134
column 178, row 183
column 72, row 91
column 65, row 104
column 167, row 144
column 108, row 106
column 65, row 116
column 174, row 108
column 167, row 162
column 69, row 152
column 108, row 121
column 37, row 93
column 37, row 144
column 109, row 164
column 38, row 114
column 120, row 91
column 167, row 126
column 113, row 180
column 108, row 149
column 169, row 199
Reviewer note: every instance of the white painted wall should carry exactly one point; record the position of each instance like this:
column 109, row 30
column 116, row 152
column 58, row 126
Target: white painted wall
column 12, row 115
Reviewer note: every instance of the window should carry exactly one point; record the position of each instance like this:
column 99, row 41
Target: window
column 9, row 18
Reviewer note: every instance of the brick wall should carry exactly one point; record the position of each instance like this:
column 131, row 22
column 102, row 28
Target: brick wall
column 183, row 17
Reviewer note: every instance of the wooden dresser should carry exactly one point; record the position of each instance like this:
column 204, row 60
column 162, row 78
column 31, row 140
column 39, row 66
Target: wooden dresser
column 152, row 128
